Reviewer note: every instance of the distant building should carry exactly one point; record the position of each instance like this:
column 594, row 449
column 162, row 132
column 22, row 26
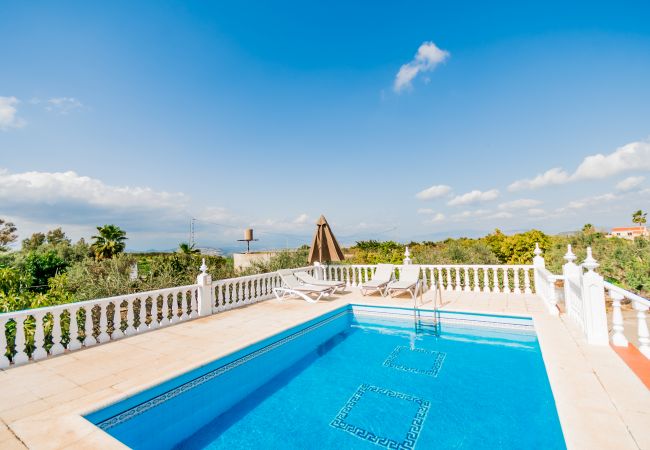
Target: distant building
column 629, row 232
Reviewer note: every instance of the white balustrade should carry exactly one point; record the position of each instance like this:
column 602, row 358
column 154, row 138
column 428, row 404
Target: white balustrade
column 97, row 324
column 640, row 306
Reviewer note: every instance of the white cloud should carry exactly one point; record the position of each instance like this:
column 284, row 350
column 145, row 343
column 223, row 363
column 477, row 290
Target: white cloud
column 425, row 211
column 535, row 212
column 548, row 178
column 468, row 214
column 437, row 218
column 634, row 156
column 591, row 201
column 301, row 219
column 9, row 114
column 63, row 105
column 475, row 196
column 428, row 57
column 521, row 203
column 501, row 215
column 629, row 183
column 432, row 192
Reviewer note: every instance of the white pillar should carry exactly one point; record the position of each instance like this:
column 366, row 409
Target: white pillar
column 538, row 263
column 642, row 329
column 593, row 297
column 570, row 271
column 205, row 301
column 618, row 338
column 318, row 271
column 407, row 256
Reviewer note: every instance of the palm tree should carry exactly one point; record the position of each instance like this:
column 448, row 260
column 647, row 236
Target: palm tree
column 187, row 249
column 639, row 217
column 588, row 229
column 109, row 242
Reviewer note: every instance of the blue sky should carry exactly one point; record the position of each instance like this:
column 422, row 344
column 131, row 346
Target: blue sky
column 396, row 120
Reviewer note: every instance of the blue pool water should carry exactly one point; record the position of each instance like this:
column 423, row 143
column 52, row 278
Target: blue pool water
column 358, row 377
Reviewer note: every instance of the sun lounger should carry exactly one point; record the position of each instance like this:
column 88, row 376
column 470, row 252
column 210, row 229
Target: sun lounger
column 409, row 281
column 383, row 275
column 308, row 279
column 292, row 286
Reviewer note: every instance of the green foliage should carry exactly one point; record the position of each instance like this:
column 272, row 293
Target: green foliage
column 7, row 234
column 187, row 249
column 109, row 241
column 285, row 259
column 40, row 267
column 639, row 217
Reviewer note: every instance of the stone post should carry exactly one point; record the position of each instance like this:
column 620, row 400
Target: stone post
column 570, row 272
column 205, row 301
column 593, row 298
column 407, row 256
column 538, row 263
column 318, row 270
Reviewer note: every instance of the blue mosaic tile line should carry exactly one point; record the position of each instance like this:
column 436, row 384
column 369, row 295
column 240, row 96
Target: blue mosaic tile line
column 414, row 428
column 437, row 358
column 155, row 401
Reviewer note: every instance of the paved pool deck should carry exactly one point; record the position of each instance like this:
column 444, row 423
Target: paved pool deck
column 601, row 403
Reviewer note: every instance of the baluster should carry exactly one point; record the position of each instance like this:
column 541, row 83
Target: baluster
column 142, row 315
column 219, row 296
column 517, row 286
column 486, row 280
column 89, row 339
column 240, row 293
column 21, row 356
column 495, row 280
column 57, row 347
column 642, row 329
column 247, row 295
column 175, row 317
column 458, row 286
column 184, row 315
column 164, row 311
column 466, row 284
column 117, row 321
column 194, row 307
column 39, row 338
column 74, row 343
column 527, row 289
column 618, row 338
column 231, row 294
column 477, row 288
column 103, row 324
column 130, row 329
column 154, row 312
column 4, row 361
column 506, row 281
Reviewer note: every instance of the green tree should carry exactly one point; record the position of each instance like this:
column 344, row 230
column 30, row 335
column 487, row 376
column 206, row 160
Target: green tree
column 33, row 242
column 588, row 229
column 187, row 249
column 7, row 234
column 40, row 267
column 639, row 217
column 57, row 236
column 109, row 242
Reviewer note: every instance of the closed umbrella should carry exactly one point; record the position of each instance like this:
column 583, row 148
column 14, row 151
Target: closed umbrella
column 324, row 246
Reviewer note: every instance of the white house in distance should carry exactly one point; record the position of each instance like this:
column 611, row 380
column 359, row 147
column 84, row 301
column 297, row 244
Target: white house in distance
column 629, row 232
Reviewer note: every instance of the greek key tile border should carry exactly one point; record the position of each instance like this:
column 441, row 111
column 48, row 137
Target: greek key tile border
column 340, row 421
column 439, row 358
column 155, row 401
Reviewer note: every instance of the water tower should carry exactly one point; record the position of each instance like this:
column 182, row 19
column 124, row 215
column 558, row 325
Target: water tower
column 248, row 237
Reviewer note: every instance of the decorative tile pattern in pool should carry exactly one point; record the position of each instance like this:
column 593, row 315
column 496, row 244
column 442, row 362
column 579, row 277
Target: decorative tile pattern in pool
column 416, row 360
column 145, row 406
column 387, row 430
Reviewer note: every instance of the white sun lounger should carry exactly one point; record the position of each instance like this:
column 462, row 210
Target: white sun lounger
column 409, row 281
column 308, row 279
column 380, row 279
column 292, row 286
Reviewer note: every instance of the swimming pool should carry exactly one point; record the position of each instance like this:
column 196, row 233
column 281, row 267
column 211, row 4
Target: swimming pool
column 357, row 377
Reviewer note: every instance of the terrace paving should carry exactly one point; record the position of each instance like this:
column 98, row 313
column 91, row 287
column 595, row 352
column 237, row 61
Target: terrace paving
column 601, row 403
